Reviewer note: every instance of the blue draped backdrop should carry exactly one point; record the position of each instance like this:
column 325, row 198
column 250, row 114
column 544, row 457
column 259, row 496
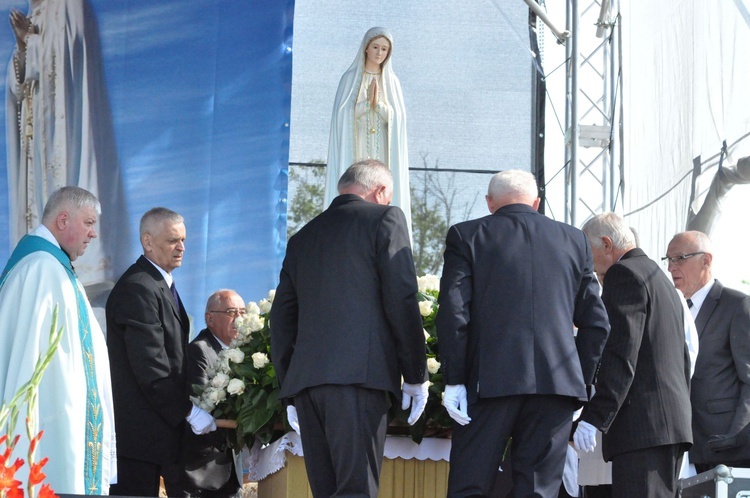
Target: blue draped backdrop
column 200, row 98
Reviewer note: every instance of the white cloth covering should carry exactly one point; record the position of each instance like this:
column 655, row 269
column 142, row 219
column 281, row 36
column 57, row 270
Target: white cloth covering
column 268, row 460
column 27, row 299
column 345, row 145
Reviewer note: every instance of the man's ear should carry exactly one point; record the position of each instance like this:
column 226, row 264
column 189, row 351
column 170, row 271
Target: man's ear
column 62, row 220
column 608, row 246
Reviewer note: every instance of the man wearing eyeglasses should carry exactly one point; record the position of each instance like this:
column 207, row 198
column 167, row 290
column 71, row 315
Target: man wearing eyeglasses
column 207, row 467
column 720, row 389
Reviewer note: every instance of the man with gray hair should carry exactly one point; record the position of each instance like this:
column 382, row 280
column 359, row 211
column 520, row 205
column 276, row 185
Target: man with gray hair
column 514, row 286
column 642, row 402
column 345, row 329
column 74, row 403
column 720, row 389
column 147, row 334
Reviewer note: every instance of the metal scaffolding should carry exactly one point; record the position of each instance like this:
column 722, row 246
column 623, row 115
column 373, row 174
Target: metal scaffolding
column 593, row 156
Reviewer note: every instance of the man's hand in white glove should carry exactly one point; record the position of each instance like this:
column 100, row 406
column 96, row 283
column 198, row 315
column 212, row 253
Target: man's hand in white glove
column 291, row 416
column 454, row 401
column 584, row 438
column 416, row 396
column 201, row 421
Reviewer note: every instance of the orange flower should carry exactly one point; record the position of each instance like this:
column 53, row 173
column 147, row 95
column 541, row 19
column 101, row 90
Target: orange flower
column 16, row 492
column 7, row 475
column 47, row 492
column 35, row 441
column 36, row 475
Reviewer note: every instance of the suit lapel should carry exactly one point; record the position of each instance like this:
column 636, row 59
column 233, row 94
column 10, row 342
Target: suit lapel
column 708, row 307
column 166, row 292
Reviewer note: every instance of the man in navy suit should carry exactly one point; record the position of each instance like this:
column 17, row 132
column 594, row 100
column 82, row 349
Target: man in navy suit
column 642, row 400
column 514, row 286
column 345, row 329
column 147, row 333
column 207, row 464
column 720, row 389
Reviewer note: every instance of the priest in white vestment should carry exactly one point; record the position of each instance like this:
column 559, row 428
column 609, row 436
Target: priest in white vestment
column 59, row 128
column 75, row 394
column 369, row 119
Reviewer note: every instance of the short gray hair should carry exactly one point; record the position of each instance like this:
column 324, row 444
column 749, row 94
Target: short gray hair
column 366, row 175
column 609, row 225
column 157, row 215
column 515, row 183
column 67, row 198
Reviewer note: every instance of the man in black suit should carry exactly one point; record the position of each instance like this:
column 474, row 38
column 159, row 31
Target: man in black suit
column 642, row 400
column 147, row 332
column 345, row 327
column 720, row 389
column 514, row 285
column 207, row 466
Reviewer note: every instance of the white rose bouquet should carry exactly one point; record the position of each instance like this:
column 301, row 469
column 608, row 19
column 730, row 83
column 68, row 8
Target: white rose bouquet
column 242, row 384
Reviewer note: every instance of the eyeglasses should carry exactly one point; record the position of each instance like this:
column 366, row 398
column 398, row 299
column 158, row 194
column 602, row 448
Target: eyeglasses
column 233, row 312
column 678, row 260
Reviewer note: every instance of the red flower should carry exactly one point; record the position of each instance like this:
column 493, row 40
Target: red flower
column 36, row 475
column 7, row 474
column 47, row 492
column 35, row 441
column 16, row 492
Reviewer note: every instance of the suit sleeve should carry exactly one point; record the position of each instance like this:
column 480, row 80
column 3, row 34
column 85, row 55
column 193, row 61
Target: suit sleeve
column 137, row 310
column 626, row 300
column 398, row 281
column 739, row 343
column 197, row 367
column 453, row 314
column 284, row 315
column 590, row 317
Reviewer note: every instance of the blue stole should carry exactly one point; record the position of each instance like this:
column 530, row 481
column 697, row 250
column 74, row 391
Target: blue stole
column 93, row 441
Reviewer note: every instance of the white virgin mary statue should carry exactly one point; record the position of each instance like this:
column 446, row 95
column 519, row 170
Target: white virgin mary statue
column 59, row 129
column 369, row 119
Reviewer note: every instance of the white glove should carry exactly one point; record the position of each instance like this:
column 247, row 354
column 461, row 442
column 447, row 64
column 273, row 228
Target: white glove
column 454, row 401
column 291, row 416
column 201, row 421
column 584, row 439
column 416, row 396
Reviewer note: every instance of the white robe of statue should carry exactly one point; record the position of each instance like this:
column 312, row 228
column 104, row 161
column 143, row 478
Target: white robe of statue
column 27, row 299
column 358, row 132
column 59, row 132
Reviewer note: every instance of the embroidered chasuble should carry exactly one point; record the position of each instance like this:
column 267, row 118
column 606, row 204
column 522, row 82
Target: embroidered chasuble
column 74, row 400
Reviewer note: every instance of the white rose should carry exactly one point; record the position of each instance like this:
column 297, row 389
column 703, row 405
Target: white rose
column 428, row 283
column 433, row 365
column 235, row 355
column 260, row 360
column 235, row 387
column 425, row 308
column 207, row 405
column 264, row 305
column 254, row 323
column 216, row 395
column 252, row 308
column 220, row 380
column 271, row 294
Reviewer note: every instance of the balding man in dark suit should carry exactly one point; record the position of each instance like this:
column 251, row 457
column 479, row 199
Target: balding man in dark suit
column 345, row 328
column 514, row 285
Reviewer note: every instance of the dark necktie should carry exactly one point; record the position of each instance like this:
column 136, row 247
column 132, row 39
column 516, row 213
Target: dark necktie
column 690, row 303
column 175, row 295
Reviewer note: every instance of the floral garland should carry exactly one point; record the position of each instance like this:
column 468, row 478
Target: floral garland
column 243, row 387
